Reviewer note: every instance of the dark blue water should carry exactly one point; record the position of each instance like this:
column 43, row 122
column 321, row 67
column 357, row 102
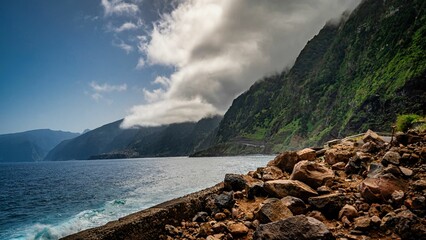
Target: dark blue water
column 49, row 200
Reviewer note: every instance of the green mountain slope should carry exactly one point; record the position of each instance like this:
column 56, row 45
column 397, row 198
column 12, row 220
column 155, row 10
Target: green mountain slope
column 111, row 141
column 30, row 146
column 356, row 75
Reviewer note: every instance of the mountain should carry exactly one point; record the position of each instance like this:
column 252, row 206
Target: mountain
column 30, row 146
column 111, row 141
column 354, row 75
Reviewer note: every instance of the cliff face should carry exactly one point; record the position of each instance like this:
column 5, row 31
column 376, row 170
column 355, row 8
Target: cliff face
column 358, row 74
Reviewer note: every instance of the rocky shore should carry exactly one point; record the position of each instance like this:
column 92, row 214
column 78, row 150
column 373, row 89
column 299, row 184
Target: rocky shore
column 356, row 188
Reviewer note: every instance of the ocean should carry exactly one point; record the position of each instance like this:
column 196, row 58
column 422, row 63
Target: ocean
column 50, row 200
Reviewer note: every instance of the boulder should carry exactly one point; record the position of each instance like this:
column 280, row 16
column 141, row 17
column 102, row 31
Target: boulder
column 391, row 157
column 329, row 204
column 224, row 200
column 285, row 161
column 371, row 136
column 234, row 182
column 312, row 173
column 256, row 189
column 297, row 227
column 333, row 155
column 381, row 188
column 283, row 188
column 307, row 154
column 238, row 229
column 271, row 173
column 272, row 211
column 296, row 205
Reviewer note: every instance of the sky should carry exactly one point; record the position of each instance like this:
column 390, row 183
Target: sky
column 77, row 64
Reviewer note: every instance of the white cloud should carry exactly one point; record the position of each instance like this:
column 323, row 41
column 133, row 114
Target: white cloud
column 140, row 64
column 126, row 47
column 119, row 7
column 106, row 88
column 219, row 48
column 126, row 27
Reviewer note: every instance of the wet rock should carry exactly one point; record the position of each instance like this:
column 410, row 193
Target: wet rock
column 348, row 211
column 380, row 188
column 362, row 223
column 329, row 204
column 391, row 157
column 271, row 173
column 273, row 210
column 234, row 182
column 297, row 227
column 200, row 217
column 406, row 224
column 333, row 156
column 238, row 229
column 296, row 205
column 225, row 200
column 307, row 154
column 371, row 136
column 283, row 188
column 311, row 173
column 285, row 161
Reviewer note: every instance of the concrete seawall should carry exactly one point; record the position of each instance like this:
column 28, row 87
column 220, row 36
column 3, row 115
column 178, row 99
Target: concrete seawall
column 149, row 224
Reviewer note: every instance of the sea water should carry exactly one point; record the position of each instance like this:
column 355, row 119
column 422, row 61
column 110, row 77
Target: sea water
column 49, row 200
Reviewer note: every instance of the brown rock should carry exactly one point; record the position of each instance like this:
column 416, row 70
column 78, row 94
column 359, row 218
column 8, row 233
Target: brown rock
column 273, row 210
column 380, row 188
column 298, row 227
column 220, row 216
column 307, row 154
column 238, row 229
column 285, row 161
column 296, row 205
column 205, row 230
column 406, row 224
column 338, row 166
column 234, row 182
column 283, row 188
column 371, row 136
column 311, row 173
column 324, row 190
column 271, row 173
column 333, row 156
column 329, row 204
column 362, row 223
column 348, row 211
column 419, row 184
column 219, row 227
column 398, row 196
column 406, row 171
column 317, row 215
column 391, row 157
column 375, row 221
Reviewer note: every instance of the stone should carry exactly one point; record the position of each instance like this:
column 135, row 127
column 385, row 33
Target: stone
column 406, row 224
column 307, row 154
column 391, row 157
column 296, row 205
column 406, row 171
column 271, row 173
column 283, row 188
column 312, row 173
column 329, row 204
column 392, row 169
column 317, row 215
column 380, row 188
column 375, row 221
column 205, row 230
column 348, row 211
column 219, row 227
column 324, row 190
column 370, row 147
column 371, row 136
column 225, row 200
column 256, row 189
column 338, row 166
column 273, row 210
column 333, row 156
column 374, row 170
column 285, row 161
column 362, row 223
column 238, row 229
column 298, row 227
column 171, row 230
column 220, row 216
column 234, row 182
column 398, row 196
column 419, row 185
column 200, row 217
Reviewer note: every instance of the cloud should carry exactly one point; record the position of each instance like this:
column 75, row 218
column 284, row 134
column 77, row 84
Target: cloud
column 98, row 90
column 140, row 64
column 219, row 48
column 126, row 27
column 119, row 7
column 126, row 47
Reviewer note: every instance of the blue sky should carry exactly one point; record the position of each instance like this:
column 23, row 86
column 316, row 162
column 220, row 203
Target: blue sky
column 77, row 64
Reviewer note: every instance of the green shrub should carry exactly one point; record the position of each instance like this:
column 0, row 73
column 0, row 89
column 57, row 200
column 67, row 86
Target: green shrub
column 404, row 122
